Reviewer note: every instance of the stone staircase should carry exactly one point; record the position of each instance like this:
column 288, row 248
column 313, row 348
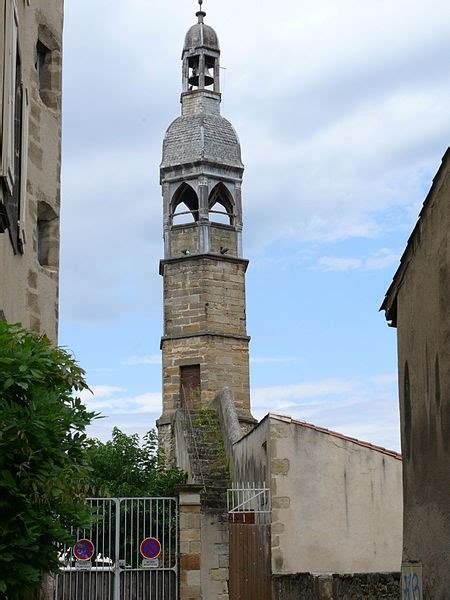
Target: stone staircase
column 207, row 457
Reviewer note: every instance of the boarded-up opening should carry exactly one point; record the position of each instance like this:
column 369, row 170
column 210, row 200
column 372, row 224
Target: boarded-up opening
column 190, row 385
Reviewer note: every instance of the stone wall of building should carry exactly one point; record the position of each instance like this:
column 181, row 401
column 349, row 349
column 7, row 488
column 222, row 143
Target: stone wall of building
column 29, row 269
column 417, row 303
column 223, row 362
column 204, row 294
column 367, row 586
column 190, row 543
column 215, row 556
column 184, row 239
column 223, row 238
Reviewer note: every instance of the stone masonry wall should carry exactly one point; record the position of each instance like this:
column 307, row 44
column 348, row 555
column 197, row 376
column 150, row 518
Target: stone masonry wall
column 28, row 290
column 195, row 103
column 204, row 295
column 223, row 237
column 305, row 586
column 184, row 238
column 215, row 557
column 190, row 543
column 223, row 363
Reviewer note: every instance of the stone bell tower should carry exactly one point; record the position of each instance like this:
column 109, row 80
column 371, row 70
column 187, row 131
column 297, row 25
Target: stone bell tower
column 205, row 342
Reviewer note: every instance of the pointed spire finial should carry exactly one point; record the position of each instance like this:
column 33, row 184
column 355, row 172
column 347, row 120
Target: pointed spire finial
column 201, row 13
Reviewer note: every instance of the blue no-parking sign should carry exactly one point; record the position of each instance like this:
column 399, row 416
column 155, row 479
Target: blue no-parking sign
column 150, row 548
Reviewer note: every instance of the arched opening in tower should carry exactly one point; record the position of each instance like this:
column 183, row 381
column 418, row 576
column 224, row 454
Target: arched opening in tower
column 184, row 207
column 221, row 205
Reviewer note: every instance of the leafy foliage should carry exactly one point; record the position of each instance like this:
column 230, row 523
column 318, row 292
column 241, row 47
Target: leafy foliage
column 42, row 456
column 123, row 467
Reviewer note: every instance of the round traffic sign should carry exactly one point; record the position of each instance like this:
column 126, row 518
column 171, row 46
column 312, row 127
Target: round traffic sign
column 150, row 548
column 84, row 550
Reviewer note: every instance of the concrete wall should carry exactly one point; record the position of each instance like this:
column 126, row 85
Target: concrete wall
column 336, row 504
column 423, row 327
column 29, row 291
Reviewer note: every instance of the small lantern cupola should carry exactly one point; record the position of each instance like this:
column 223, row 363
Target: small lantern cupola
column 201, row 57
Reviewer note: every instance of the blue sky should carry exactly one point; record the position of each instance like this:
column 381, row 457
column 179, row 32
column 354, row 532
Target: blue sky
column 343, row 115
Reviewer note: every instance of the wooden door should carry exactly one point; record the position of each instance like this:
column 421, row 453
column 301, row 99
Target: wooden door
column 190, row 385
column 250, row 562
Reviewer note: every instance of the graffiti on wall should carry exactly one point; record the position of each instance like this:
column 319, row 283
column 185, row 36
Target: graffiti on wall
column 412, row 581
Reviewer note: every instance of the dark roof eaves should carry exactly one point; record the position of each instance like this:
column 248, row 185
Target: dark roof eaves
column 391, row 293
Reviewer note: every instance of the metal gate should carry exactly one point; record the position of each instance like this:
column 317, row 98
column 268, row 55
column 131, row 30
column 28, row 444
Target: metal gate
column 250, row 543
column 130, row 552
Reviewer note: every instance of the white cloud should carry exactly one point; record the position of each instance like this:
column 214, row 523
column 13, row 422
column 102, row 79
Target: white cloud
column 275, row 359
column 112, row 401
column 99, row 392
column 365, row 409
column 132, row 361
column 381, row 259
column 336, row 263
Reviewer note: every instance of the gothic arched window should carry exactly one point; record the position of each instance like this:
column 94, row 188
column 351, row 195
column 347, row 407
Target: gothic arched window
column 221, row 206
column 184, row 207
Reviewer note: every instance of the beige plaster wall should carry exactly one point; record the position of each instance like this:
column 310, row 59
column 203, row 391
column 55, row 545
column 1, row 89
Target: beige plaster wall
column 336, row 505
column 251, row 456
column 423, row 326
column 29, row 292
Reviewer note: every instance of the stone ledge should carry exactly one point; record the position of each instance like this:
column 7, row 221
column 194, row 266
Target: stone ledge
column 210, row 256
column 188, row 336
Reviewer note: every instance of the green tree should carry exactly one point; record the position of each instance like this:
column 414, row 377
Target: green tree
column 125, row 466
column 42, row 457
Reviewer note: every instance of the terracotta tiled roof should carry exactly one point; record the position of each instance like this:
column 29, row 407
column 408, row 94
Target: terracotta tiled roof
column 336, row 434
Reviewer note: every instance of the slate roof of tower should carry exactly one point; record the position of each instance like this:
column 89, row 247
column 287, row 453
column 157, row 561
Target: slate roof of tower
column 201, row 35
column 199, row 137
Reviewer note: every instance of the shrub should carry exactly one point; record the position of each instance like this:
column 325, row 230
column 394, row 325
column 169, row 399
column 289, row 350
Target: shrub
column 125, row 467
column 43, row 464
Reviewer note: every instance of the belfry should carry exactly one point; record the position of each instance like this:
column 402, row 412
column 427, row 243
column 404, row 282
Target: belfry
column 205, row 346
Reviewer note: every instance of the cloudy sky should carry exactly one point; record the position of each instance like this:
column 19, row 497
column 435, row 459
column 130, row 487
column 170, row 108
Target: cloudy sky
column 343, row 114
